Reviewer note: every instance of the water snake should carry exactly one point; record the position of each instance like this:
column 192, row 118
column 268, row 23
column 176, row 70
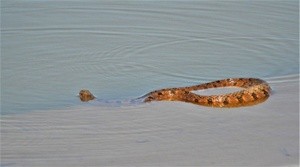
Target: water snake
column 253, row 91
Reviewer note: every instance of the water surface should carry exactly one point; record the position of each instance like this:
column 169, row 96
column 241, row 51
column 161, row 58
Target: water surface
column 123, row 49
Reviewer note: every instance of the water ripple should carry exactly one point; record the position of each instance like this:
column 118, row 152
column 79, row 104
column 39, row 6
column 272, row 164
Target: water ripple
column 117, row 49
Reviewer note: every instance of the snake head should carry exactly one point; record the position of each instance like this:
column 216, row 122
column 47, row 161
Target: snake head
column 85, row 95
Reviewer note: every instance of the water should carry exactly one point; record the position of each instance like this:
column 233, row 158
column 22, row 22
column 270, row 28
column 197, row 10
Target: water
column 123, row 49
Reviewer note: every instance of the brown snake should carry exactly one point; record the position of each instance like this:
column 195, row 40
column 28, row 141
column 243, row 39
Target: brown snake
column 254, row 91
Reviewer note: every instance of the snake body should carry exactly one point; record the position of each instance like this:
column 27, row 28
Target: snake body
column 253, row 91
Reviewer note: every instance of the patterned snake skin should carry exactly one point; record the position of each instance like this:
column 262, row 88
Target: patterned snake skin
column 254, row 91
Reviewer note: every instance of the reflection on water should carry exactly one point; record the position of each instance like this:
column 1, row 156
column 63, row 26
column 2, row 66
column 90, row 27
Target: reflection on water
column 52, row 49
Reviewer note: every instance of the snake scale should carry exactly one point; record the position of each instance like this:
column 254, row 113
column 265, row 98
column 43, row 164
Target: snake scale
column 253, row 91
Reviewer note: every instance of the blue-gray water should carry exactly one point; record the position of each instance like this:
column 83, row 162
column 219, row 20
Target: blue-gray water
column 123, row 49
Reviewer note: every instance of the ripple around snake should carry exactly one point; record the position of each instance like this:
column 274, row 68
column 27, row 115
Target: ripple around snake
column 124, row 50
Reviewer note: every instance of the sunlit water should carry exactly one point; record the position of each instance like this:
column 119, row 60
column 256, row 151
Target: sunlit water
column 122, row 50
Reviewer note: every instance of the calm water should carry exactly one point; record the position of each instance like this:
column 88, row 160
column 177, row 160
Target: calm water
column 123, row 49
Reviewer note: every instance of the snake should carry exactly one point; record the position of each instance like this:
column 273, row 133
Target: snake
column 253, row 91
